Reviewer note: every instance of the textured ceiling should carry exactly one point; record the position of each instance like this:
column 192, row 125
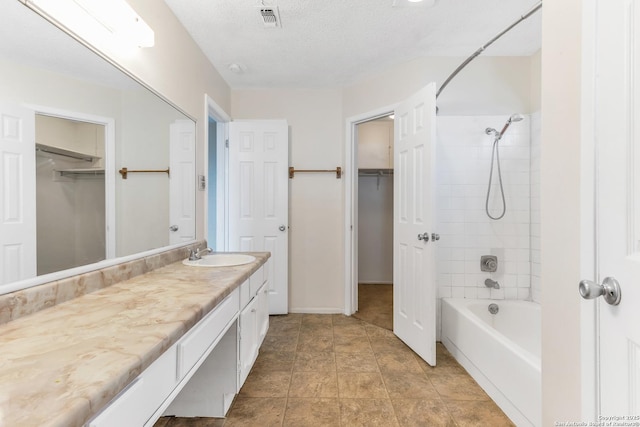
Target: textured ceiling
column 329, row 43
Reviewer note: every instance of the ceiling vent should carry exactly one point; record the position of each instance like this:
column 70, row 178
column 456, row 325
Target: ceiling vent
column 270, row 17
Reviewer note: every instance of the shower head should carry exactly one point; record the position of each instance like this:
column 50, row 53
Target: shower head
column 514, row 118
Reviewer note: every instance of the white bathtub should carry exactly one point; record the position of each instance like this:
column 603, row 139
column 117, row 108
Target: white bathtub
column 501, row 351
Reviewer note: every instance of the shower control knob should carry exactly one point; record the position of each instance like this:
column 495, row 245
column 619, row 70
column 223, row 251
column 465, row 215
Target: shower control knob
column 424, row 236
column 609, row 290
column 435, row 237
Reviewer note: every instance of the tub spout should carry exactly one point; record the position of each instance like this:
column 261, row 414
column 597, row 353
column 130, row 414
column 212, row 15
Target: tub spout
column 491, row 284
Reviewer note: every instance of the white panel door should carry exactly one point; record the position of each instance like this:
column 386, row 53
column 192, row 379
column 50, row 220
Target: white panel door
column 17, row 194
column 617, row 136
column 259, row 199
column 414, row 290
column 182, row 181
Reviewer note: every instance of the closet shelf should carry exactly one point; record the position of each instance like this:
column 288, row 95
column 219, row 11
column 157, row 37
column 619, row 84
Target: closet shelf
column 67, row 153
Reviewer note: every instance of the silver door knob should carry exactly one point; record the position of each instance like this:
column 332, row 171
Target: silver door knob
column 173, row 228
column 424, row 236
column 435, row 236
column 610, row 290
column 282, row 228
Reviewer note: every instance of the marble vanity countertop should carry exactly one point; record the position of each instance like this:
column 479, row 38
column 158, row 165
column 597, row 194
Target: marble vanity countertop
column 60, row 366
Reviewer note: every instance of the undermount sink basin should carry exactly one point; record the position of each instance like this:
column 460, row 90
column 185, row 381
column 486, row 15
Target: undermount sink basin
column 220, row 260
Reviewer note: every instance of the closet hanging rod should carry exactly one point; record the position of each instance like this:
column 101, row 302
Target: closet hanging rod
column 337, row 171
column 124, row 171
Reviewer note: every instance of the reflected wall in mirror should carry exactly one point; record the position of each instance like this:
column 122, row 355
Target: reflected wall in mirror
column 70, row 121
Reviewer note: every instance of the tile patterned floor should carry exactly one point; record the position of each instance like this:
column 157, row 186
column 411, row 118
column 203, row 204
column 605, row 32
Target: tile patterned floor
column 333, row 370
column 375, row 305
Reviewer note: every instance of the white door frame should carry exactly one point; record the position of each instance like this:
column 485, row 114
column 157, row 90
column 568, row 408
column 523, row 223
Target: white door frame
column 109, row 165
column 589, row 317
column 213, row 110
column 351, row 205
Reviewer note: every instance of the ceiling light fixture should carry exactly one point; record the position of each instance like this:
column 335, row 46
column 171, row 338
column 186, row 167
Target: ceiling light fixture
column 413, row 3
column 236, row 68
column 97, row 21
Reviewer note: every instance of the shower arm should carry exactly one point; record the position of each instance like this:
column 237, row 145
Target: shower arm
column 473, row 56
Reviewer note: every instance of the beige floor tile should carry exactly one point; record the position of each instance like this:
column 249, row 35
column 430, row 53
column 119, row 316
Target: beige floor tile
column 378, row 332
column 398, row 361
column 351, row 344
column 422, row 413
column 477, row 414
column 314, row 384
column 284, row 328
column 361, row 385
column 367, row 413
column 445, row 364
column 356, row 362
column 341, row 319
column 285, row 318
column 315, row 362
column 279, row 343
column 375, row 305
column 349, row 330
column 251, row 412
column 312, row 412
column 457, row 387
column 194, row 422
column 271, row 361
column 163, row 422
column 409, row 385
column 321, row 319
column 321, row 329
column 311, row 343
column 266, row 384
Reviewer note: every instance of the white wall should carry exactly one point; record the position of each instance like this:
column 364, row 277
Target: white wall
column 489, row 85
column 316, row 215
column 560, row 210
column 463, row 161
column 375, row 229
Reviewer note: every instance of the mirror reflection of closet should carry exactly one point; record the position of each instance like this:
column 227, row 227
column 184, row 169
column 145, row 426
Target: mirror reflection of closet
column 70, row 193
column 375, row 221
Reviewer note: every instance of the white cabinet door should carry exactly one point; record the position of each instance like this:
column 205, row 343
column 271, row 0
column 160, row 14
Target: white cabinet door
column 248, row 339
column 414, row 286
column 17, row 194
column 262, row 313
column 259, row 199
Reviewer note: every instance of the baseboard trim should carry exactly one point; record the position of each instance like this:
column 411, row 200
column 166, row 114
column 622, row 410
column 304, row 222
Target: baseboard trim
column 316, row 310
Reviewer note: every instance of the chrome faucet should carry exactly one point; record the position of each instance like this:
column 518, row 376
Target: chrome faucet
column 491, row 284
column 195, row 255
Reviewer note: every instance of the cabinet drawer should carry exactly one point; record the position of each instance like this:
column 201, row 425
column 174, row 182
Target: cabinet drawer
column 202, row 335
column 256, row 281
column 138, row 402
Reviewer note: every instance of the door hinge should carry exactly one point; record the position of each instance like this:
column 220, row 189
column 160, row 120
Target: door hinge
column 226, row 143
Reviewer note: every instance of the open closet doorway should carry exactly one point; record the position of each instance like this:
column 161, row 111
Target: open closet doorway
column 375, row 221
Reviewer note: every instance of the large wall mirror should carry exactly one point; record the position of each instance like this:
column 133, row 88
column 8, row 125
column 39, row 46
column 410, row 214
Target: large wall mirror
column 70, row 123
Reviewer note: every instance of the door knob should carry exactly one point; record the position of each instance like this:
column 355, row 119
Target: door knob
column 282, row 228
column 173, row 228
column 424, row 236
column 435, row 236
column 610, row 290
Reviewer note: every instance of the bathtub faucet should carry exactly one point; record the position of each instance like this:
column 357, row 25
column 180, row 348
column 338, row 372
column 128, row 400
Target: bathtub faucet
column 491, row 284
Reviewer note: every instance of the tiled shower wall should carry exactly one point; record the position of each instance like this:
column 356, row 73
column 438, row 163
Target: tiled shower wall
column 463, row 159
column 536, row 128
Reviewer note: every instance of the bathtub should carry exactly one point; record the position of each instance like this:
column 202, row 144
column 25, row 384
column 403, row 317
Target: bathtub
column 500, row 351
